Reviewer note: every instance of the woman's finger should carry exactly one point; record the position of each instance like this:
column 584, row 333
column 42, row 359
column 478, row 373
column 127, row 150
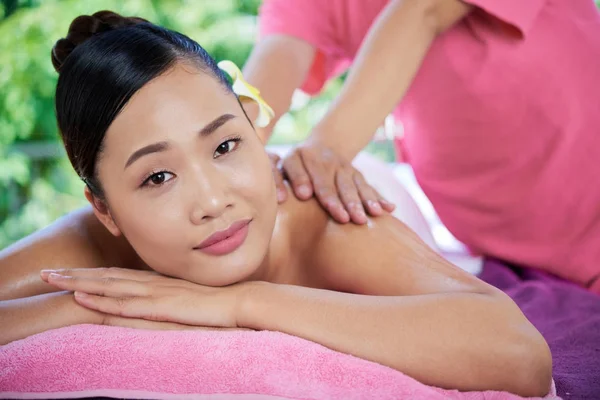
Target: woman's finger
column 147, row 308
column 109, row 286
column 298, row 176
column 349, row 195
column 138, row 323
column 119, row 273
column 124, row 306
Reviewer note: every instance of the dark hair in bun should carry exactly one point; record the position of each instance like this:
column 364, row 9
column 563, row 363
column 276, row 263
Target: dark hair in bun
column 84, row 27
column 104, row 59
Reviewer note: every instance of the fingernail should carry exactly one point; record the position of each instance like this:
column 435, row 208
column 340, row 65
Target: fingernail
column 387, row 203
column 354, row 208
column 46, row 272
column 80, row 295
column 303, row 190
column 362, row 216
column 345, row 215
column 357, row 207
column 281, row 195
column 56, row 276
column 374, row 206
column 333, row 204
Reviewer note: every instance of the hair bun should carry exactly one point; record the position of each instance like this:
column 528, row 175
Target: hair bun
column 84, row 27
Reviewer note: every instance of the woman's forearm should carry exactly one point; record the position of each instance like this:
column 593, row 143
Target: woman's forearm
column 459, row 340
column 31, row 315
column 385, row 66
column 277, row 67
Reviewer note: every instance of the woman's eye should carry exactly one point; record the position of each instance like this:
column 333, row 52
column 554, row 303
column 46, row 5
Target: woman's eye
column 226, row 147
column 158, row 178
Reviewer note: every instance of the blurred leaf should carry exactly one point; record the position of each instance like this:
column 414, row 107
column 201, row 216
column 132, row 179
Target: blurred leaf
column 13, row 167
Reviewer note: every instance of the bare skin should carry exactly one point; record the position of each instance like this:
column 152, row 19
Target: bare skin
column 375, row 291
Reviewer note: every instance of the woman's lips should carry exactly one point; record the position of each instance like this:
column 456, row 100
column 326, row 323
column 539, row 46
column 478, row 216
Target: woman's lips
column 226, row 241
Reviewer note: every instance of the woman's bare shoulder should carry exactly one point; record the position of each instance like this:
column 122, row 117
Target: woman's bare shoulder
column 76, row 240
column 383, row 257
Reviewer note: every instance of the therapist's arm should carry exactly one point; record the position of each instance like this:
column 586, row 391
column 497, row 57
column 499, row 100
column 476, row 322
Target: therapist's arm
column 385, row 66
column 277, row 66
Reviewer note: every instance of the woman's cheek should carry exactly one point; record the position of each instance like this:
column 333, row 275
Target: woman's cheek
column 258, row 180
column 152, row 222
column 160, row 244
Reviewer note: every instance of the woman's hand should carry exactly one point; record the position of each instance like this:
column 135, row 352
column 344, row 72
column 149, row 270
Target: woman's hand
column 149, row 296
column 138, row 323
column 339, row 187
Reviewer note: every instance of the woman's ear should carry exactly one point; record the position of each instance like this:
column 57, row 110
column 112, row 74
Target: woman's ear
column 102, row 212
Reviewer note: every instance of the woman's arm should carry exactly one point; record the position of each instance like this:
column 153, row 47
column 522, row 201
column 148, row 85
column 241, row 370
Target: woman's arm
column 464, row 341
column 28, row 316
column 77, row 240
column 412, row 311
column 27, row 304
column 385, row 66
column 31, row 315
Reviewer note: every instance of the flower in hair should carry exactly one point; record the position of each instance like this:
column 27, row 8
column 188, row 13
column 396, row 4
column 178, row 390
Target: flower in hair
column 245, row 90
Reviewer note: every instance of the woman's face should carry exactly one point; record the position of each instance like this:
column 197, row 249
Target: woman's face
column 187, row 180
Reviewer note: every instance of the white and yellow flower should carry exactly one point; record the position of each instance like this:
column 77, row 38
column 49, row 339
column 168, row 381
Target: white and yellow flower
column 245, row 90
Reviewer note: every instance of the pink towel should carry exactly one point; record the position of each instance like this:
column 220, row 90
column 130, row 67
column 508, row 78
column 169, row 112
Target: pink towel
column 91, row 360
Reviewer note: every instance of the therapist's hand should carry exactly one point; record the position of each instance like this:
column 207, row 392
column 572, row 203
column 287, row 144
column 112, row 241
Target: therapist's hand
column 340, row 188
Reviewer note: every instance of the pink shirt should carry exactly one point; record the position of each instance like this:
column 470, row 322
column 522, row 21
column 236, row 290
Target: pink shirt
column 502, row 123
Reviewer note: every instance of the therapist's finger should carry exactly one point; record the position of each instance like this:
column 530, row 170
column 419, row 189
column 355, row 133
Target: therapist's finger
column 278, row 176
column 322, row 165
column 374, row 200
column 349, row 195
column 387, row 206
column 280, row 185
column 298, row 176
column 327, row 194
column 368, row 195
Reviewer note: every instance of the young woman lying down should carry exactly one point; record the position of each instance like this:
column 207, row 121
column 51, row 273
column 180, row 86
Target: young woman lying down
column 183, row 201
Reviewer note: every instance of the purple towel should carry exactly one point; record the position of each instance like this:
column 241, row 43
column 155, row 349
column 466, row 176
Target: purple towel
column 568, row 317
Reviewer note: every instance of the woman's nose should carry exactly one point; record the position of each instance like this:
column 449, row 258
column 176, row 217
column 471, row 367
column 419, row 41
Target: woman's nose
column 208, row 199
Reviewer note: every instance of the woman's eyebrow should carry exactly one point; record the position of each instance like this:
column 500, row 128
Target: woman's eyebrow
column 151, row 148
column 215, row 124
column 162, row 146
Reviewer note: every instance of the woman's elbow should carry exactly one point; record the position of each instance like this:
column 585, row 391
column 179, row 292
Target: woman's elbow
column 526, row 355
column 534, row 373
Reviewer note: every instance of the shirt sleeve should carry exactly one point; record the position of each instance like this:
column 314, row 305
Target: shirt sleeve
column 521, row 14
column 313, row 22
